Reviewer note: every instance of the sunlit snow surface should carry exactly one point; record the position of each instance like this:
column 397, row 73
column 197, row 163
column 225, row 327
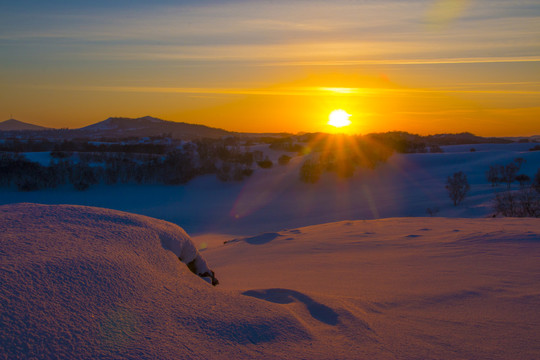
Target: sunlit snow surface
column 80, row 282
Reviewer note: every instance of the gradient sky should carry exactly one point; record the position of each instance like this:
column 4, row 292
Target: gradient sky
column 266, row 66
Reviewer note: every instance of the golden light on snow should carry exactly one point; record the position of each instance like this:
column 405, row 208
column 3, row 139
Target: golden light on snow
column 339, row 118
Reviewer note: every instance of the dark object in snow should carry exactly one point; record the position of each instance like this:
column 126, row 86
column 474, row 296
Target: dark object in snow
column 193, row 267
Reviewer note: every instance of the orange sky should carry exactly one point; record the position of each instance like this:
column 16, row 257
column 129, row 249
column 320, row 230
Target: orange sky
column 418, row 66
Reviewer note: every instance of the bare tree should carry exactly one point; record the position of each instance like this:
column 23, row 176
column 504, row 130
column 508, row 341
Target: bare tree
column 458, row 187
column 509, row 174
column 492, row 175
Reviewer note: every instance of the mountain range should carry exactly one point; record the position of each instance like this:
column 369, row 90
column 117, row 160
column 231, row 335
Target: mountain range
column 121, row 127
column 148, row 126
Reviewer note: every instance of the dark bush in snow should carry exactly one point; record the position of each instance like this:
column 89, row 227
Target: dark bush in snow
column 82, row 177
column 265, row 164
column 310, row 172
column 284, row 159
column 240, row 173
column 521, row 203
column 523, row 179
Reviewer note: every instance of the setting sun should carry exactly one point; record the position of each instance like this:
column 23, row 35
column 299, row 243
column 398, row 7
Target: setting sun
column 339, row 118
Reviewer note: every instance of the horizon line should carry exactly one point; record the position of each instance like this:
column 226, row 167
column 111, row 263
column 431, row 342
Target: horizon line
column 266, row 132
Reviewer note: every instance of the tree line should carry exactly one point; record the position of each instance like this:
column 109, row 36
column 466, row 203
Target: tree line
column 523, row 202
column 152, row 165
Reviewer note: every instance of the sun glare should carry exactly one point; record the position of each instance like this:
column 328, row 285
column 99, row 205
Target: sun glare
column 339, row 118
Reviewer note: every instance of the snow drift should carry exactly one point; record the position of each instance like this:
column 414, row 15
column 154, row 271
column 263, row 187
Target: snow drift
column 81, row 282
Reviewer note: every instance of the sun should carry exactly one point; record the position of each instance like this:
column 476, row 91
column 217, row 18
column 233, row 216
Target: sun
column 339, row 118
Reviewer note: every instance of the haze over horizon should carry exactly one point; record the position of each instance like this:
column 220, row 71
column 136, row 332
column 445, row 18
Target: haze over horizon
column 422, row 66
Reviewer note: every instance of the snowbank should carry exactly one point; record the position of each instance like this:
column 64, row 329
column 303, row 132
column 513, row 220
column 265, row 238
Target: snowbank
column 87, row 283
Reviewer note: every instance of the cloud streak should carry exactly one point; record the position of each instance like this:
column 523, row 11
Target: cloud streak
column 350, row 32
column 285, row 91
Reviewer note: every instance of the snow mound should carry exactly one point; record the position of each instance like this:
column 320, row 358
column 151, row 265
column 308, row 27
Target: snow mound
column 82, row 282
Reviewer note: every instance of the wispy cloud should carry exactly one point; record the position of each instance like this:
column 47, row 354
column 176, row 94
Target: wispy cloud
column 284, row 91
column 343, row 31
column 471, row 60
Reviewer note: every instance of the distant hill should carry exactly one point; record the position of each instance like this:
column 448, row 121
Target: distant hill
column 16, row 125
column 120, row 127
column 464, row 138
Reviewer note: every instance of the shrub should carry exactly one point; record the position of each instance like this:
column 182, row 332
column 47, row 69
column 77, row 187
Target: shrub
column 523, row 179
column 345, row 169
column 310, row 171
column 240, row 173
column 28, row 183
column 265, row 164
column 522, row 203
column 82, row 177
column 284, row 159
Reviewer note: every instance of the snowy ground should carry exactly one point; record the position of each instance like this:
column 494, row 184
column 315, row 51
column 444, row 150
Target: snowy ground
column 275, row 199
column 343, row 269
column 88, row 283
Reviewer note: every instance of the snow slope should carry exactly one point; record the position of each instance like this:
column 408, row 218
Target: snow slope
column 407, row 288
column 80, row 282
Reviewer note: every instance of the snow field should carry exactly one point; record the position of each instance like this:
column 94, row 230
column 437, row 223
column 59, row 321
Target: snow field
column 405, row 288
column 95, row 283
column 273, row 199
